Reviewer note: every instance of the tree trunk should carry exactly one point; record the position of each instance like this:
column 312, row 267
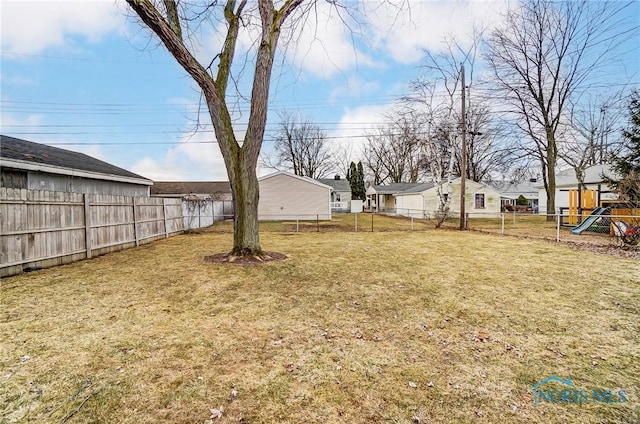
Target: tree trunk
column 552, row 155
column 244, row 186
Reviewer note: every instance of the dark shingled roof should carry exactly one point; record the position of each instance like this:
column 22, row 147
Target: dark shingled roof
column 190, row 187
column 28, row 151
column 337, row 185
column 394, row 188
column 419, row 188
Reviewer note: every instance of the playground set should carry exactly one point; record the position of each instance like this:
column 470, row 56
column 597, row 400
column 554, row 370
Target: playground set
column 587, row 213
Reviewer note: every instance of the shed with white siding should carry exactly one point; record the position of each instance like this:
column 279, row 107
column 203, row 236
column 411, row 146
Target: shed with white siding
column 284, row 196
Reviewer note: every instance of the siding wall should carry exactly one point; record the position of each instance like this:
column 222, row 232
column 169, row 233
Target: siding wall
column 491, row 198
column 44, row 228
column 410, row 205
column 345, row 196
column 66, row 183
column 284, row 197
column 428, row 200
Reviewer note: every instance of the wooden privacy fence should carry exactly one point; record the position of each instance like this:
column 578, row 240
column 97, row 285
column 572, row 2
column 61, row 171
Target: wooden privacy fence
column 46, row 228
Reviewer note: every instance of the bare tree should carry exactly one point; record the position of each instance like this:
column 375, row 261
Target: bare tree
column 169, row 21
column 544, row 56
column 301, row 146
column 374, row 157
column 392, row 153
column 590, row 135
column 489, row 152
column 343, row 156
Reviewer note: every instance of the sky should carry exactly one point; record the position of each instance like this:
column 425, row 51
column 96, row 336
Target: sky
column 85, row 76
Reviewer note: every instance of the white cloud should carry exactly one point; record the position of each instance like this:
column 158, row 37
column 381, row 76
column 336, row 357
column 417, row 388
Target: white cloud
column 30, row 27
column 355, row 123
column 405, row 33
column 354, row 87
column 10, row 123
column 323, row 43
column 158, row 170
column 194, row 158
column 17, row 80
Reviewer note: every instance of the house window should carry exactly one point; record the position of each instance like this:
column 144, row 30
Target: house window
column 479, row 201
column 338, row 199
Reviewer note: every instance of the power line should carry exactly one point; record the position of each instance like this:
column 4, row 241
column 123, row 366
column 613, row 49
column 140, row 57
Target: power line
column 85, row 59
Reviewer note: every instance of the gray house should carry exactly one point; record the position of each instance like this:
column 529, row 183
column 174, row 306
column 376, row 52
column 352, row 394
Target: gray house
column 340, row 193
column 28, row 165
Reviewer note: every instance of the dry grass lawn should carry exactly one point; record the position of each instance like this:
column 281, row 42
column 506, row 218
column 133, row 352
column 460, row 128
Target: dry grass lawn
column 535, row 226
column 383, row 327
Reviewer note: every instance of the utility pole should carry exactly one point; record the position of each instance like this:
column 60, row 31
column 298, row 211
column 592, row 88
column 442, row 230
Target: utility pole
column 463, row 159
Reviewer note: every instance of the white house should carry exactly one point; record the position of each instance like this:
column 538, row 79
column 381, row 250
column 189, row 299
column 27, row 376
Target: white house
column 285, row 196
column 382, row 198
column 422, row 200
column 413, row 201
column 567, row 181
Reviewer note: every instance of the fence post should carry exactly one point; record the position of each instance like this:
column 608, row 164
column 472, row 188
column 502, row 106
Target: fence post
column 199, row 213
column 164, row 213
column 318, row 222
column 356, row 215
column 372, row 222
column 502, row 224
column 557, row 228
column 87, row 224
column 411, row 222
column 297, row 228
column 135, row 222
column 514, row 218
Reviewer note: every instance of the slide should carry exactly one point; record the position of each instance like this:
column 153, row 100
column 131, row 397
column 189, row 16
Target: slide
column 597, row 212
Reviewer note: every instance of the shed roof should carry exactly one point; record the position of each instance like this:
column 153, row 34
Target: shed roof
column 288, row 174
column 24, row 152
column 190, row 187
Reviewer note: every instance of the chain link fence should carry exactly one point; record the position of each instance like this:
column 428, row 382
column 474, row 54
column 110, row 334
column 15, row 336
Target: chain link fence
column 599, row 229
column 343, row 222
column 604, row 229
